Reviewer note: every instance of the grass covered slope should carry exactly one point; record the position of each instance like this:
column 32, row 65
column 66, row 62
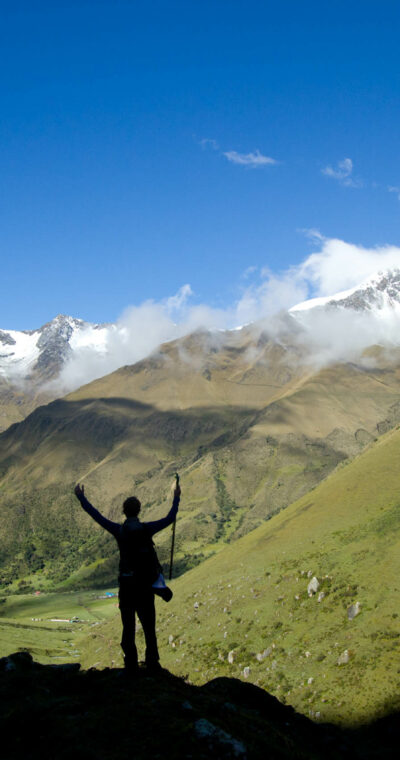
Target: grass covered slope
column 248, row 425
column 246, row 612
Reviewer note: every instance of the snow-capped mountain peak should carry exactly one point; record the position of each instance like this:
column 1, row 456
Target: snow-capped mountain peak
column 38, row 355
column 43, row 354
column 379, row 292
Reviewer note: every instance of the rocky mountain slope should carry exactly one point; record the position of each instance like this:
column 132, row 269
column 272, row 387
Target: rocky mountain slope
column 33, row 362
column 102, row 714
column 38, row 355
column 379, row 293
column 29, row 359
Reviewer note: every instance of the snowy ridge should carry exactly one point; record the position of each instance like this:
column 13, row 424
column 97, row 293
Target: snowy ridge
column 80, row 351
column 18, row 352
column 42, row 352
column 380, row 292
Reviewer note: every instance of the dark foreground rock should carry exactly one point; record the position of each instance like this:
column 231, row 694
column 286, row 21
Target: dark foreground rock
column 61, row 712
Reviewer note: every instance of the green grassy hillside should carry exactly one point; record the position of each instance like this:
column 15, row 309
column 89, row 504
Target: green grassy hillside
column 247, row 424
column 249, row 607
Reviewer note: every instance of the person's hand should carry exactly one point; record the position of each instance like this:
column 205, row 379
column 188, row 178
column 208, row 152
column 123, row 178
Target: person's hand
column 175, row 488
column 79, row 491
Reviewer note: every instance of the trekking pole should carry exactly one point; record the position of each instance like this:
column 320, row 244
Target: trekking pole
column 173, row 536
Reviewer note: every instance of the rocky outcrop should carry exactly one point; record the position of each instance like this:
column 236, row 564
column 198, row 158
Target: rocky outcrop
column 62, row 712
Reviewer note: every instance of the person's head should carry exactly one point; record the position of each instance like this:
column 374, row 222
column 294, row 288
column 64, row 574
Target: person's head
column 131, row 506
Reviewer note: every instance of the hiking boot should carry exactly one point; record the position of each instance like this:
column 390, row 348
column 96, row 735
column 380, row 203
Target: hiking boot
column 153, row 669
column 131, row 667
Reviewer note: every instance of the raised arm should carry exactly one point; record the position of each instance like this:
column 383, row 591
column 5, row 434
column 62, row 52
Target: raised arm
column 112, row 527
column 158, row 525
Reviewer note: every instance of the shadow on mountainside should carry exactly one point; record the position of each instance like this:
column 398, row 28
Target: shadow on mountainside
column 58, row 711
column 106, row 421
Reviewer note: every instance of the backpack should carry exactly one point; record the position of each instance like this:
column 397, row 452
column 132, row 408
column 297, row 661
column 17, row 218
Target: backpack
column 138, row 557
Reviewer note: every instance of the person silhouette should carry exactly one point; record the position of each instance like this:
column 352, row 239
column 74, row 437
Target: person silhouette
column 139, row 569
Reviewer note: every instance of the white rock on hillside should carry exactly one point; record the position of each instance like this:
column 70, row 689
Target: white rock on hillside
column 353, row 610
column 262, row 655
column 344, row 658
column 313, row 586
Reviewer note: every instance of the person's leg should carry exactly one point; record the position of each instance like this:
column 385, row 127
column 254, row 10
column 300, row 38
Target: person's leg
column 127, row 610
column 128, row 645
column 146, row 611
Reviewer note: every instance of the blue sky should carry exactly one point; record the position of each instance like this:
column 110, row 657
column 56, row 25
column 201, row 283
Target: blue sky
column 134, row 139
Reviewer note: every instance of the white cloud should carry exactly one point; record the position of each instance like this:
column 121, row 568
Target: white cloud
column 339, row 265
column 334, row 266
column 343, row 173
column 253, row 160
column 177, row 301
column 344, row 169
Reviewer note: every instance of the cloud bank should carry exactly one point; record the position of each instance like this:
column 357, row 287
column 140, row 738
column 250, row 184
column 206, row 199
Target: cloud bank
column 335, row 266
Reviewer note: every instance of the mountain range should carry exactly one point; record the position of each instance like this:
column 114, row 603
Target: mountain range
column 288, row 465
column 33, row 362
column 245, row 415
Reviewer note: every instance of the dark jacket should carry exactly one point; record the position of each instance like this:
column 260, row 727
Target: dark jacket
column 134, row 538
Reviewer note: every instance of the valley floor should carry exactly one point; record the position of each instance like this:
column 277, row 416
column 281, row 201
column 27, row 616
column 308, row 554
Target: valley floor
column 50, row 625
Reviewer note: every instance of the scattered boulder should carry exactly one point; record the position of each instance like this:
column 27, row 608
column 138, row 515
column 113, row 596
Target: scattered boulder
column 344, row 658
column 216, row 736
column 262, row 655
column 313, row 586
column 16, row 661
column 231, row 656
column 321, row 596
column 246, row 671
column 353, row 610
column 196, row 606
